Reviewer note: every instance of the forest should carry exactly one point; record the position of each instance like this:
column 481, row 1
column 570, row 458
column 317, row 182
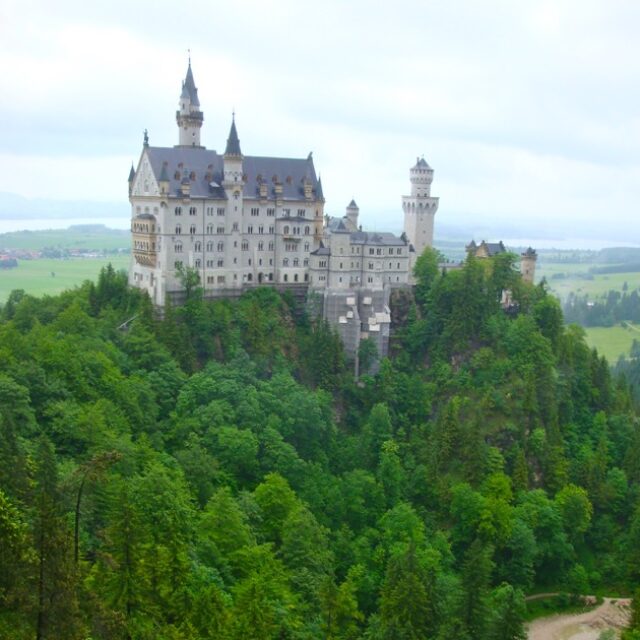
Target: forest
column 218, row 472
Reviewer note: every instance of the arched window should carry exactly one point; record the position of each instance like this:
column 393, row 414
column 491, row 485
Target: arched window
column 296, row 262
column 245, row 245
column 178, row 248
column 220, row 246
column 178, row 211
column 295, row 277
column 192, row 211
column 285, row 262
column 178, row 229
column 197, row 246
column 198, row 263
column 192, row 229
column 286, row 278
column 286, row 229
column 209, row 246
column 306, row 230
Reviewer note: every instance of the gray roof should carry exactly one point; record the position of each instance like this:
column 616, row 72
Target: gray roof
column 384, row 239
column 190, row 87
column 337, row 225
column 422, row 163
column 352, row 204
column 233, row 142
column 321, row 251
column 319, row 194
column 208, row 168
column 132, row 173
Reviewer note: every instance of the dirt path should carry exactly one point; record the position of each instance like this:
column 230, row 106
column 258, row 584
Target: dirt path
column 613, row 613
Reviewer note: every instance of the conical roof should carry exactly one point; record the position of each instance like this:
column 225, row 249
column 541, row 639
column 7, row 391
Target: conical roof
column 189, row 87
column 233, row 142
column 132, row 173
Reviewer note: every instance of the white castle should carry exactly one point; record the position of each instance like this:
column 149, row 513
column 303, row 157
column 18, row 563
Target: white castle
column 246, row 221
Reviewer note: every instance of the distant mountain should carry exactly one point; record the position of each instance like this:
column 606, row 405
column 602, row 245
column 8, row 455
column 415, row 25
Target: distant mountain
column 14, row 206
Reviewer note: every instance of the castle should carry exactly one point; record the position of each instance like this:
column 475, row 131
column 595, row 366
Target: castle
column 243, row 221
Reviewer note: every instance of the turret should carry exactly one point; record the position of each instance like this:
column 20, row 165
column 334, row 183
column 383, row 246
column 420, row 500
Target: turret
column 188, row 116
column 528, row 265
column 132, row 175
column 232, row 157
column 420, row 207
column 352, row 215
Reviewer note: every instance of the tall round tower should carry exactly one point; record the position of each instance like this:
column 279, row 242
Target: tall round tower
column 188, row 116
column 528, row 265
column 420, row 208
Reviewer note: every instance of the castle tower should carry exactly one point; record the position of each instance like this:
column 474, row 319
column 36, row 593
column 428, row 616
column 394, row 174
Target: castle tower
column 188, row 116
column 352, row 215
column 528, row 265
column 420, row 208
column 233, row 158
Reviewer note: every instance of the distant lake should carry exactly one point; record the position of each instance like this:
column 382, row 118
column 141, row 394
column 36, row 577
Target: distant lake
column 37, row 224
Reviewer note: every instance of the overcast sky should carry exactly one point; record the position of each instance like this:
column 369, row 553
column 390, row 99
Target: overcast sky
column 529, row 112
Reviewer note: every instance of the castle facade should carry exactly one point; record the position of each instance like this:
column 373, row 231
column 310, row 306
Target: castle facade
column 243, row 221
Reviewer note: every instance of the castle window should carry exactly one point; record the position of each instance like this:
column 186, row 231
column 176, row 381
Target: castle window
column 197, row 246
column 341, row 265
column 295, row 277
column 306, row 230
column 379, row 252
column 271, row 246
column 399, row 251
column 306, row 277
column 198, row 263
column 178, row 248
column 301, row 213
column 245, row 245
column 286, row 278
column 296, row 262
column 285, row 262
column 290, row 246
column 286, row 212
column 209, row 264
column 210, row 279
column 370, row 279
column 235, row 226
column 209, row 246
column 220, row 279
column 260, row 246
column 371, row 251
column 192, row 211
column 249, row 262
column 271, row 212
column 306, row 262
column 178, row 229
column 259, row 262
column 220, row 246
column 250, row 229
column 192, row 229
column 220, row 263
column 306, row 246
column 178, row 211
column 390, row 251
column 286, row 229
column 271, row 229
column 219, row 229
column 398, row 265
column 250, row 277
column 371, row 265
column 271, row 277
column 220, row 211
column 209, row 229
column 261, row 229
column 255, row 211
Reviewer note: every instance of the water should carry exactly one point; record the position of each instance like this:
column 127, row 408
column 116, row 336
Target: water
column 38, row 224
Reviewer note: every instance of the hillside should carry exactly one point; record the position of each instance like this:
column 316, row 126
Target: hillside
column 218, row 473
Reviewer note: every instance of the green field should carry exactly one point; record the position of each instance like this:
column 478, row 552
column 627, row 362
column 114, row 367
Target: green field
column 35, row 276
column 88, row 237
column 612, row 342
column 578, row 280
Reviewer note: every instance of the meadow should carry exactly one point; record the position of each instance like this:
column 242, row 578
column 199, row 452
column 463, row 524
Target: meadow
column 90, row 237
column 613, row 342
column 52, row 276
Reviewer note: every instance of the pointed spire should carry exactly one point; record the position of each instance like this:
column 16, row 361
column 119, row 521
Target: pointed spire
column 319, row 194
column 352, row 204
column 233, row 143
column 189, row 87
column 145, row 140
column 132, row 173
